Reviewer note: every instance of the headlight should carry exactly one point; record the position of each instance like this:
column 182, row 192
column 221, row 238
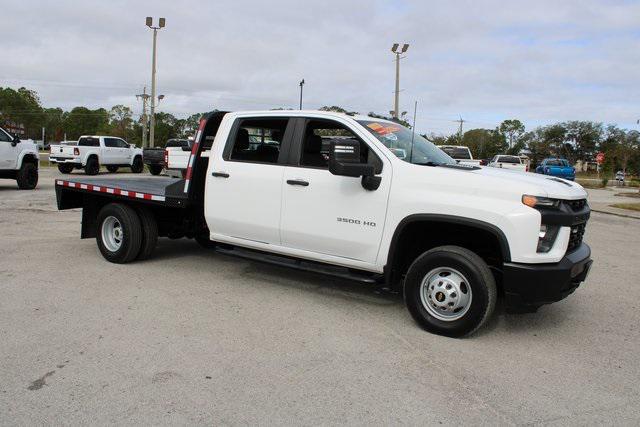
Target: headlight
column 546, row 237
column 540, row 202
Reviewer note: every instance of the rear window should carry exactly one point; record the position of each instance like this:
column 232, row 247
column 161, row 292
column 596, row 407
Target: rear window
column 557, row 162
column 458, row 153
column 177, row 143
column 89, row 141
column 509, row 159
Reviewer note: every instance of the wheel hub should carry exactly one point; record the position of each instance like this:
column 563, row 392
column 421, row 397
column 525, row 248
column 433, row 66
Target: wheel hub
column 112, row 233
column 445, row 293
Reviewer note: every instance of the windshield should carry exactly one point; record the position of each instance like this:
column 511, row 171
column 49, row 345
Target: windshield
column 398, row 139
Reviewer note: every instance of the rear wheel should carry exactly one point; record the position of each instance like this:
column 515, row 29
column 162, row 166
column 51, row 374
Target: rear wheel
column 112, row 169
column 65, row 168
column 119, row 234
column 27, row 177
column 92, row 167
column 149, row 233
column 155, row 169
column 450, row 291
column 137, row 166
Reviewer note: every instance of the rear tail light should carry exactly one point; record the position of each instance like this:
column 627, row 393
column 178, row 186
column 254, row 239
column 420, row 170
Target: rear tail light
column 166, row 157
column 76, row 151
column 526, row 168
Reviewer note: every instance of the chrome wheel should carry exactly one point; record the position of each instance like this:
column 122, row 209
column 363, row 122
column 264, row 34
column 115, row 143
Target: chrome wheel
column 446, row 294
column 112, row 233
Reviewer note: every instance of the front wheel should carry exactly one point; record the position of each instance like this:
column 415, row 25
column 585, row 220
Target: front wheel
column 450, row 291
column 27, row 176
column 119, row 234
column 137, row 166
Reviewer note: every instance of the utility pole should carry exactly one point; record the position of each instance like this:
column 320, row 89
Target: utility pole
column 461, row 121
column 161, row 24
column 394, row 49
column 301, row 84
column 145, row 97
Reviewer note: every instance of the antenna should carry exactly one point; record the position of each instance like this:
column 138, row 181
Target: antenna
column 413, row 130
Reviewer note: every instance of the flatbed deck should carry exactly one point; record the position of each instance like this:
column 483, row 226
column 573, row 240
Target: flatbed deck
column 161, row 190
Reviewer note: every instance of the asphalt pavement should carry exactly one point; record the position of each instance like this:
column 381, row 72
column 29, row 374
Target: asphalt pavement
column 194, row 337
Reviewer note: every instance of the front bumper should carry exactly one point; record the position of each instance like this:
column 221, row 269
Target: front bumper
column 528, row 286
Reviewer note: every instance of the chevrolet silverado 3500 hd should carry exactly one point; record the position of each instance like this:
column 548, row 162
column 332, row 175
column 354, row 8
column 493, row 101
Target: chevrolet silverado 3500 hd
column 324, row 191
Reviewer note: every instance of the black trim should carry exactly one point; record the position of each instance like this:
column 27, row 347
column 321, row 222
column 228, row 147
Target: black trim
column 297, row 182
column 528, row 286
column 451, row 219
column 564, row 215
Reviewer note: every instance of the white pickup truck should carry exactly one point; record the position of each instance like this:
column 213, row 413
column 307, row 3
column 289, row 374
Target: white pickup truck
column 19, row 160
column 324, row 192
column 91, row 152
column 460, row 153
column 505, row 161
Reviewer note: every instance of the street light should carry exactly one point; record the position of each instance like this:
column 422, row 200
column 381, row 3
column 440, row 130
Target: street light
column 161, row 24
column 301, row 84
column 399, row 56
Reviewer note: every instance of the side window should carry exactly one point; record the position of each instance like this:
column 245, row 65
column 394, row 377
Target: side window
column 122, row 143
column 257, row 140
column 5, row 137
column 317, row 138
column 111, row 142
column 89, row 141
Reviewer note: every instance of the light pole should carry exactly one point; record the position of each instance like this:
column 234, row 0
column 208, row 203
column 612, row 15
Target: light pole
column 145, row 98
column 394, row 49
column 152, row 124
column 301, row 84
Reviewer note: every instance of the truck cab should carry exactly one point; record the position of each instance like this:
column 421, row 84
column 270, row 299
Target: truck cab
column 328, row 192
column 91, row 152
column 19, row 160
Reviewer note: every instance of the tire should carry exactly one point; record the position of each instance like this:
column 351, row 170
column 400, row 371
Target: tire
column 137, row 166
column 127, row 247
column 452, row 275
column 155, row 169
column 205, row 242
column 149, row 233
column 65, row 168
column 27, row 176
column 112, row 169
column 93, row 166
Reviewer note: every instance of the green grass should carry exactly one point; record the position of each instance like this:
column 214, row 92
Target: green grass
column 628, row 206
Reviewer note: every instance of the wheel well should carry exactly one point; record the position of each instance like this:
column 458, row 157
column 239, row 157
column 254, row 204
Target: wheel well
column 414, row 237
column 29, row 158
column 94, row 156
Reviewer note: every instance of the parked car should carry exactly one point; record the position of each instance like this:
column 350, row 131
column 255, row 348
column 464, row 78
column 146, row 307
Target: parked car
column 461, row 154
column 157, row 158
column 448, row 237
column 557, row 167
column 93, row 151
column 505, row 161
column 19, row 160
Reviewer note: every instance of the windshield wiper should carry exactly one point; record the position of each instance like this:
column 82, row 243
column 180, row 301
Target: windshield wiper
column 429, row 163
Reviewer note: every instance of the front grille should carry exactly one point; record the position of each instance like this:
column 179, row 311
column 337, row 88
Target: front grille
column 575, row 238
column 576, row 205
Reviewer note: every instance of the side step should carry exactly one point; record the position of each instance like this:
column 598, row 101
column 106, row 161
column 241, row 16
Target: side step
column 302, row 265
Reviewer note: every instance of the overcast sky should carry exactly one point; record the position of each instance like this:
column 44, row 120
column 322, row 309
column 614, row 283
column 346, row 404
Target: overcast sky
column 539, row 61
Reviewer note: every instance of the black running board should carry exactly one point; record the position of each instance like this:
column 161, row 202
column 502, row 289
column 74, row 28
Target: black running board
column 300, row 264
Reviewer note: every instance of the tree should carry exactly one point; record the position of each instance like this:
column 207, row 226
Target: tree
column 583, row 137
column 337, row 109
column 120, row 119
column 512, row 129
column 83, row 121
column 484, row 143
column 22, row 107
column 166, row 128
column 400, row 120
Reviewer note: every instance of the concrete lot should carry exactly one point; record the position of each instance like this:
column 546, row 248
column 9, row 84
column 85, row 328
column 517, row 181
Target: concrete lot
column 191, row 337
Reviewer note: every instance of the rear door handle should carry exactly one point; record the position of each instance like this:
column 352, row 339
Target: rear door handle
column 297, row 182
column 220, row 174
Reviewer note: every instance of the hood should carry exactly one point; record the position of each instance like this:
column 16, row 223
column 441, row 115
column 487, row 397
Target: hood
column 548, row 186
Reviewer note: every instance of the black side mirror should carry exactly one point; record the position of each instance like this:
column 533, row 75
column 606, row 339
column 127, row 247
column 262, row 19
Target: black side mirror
column 16, row 140
column 344, row 160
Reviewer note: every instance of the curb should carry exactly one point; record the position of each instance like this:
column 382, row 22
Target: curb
column 614, row 213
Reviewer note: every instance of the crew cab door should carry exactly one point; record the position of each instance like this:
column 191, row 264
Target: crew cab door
column 122, row 152
column 8, row 153
column 326, row 214
column 244, row 183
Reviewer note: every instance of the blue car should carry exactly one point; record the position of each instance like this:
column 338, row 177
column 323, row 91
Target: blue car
column 557, row 167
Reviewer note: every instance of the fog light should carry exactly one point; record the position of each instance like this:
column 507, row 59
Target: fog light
column 547, row 237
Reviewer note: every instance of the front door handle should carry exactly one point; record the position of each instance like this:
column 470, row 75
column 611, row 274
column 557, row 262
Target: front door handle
column 297, row 182
column 220, row 174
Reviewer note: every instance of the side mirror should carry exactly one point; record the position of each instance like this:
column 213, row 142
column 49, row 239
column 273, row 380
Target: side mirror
column 344, row 160
column 16, row 140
